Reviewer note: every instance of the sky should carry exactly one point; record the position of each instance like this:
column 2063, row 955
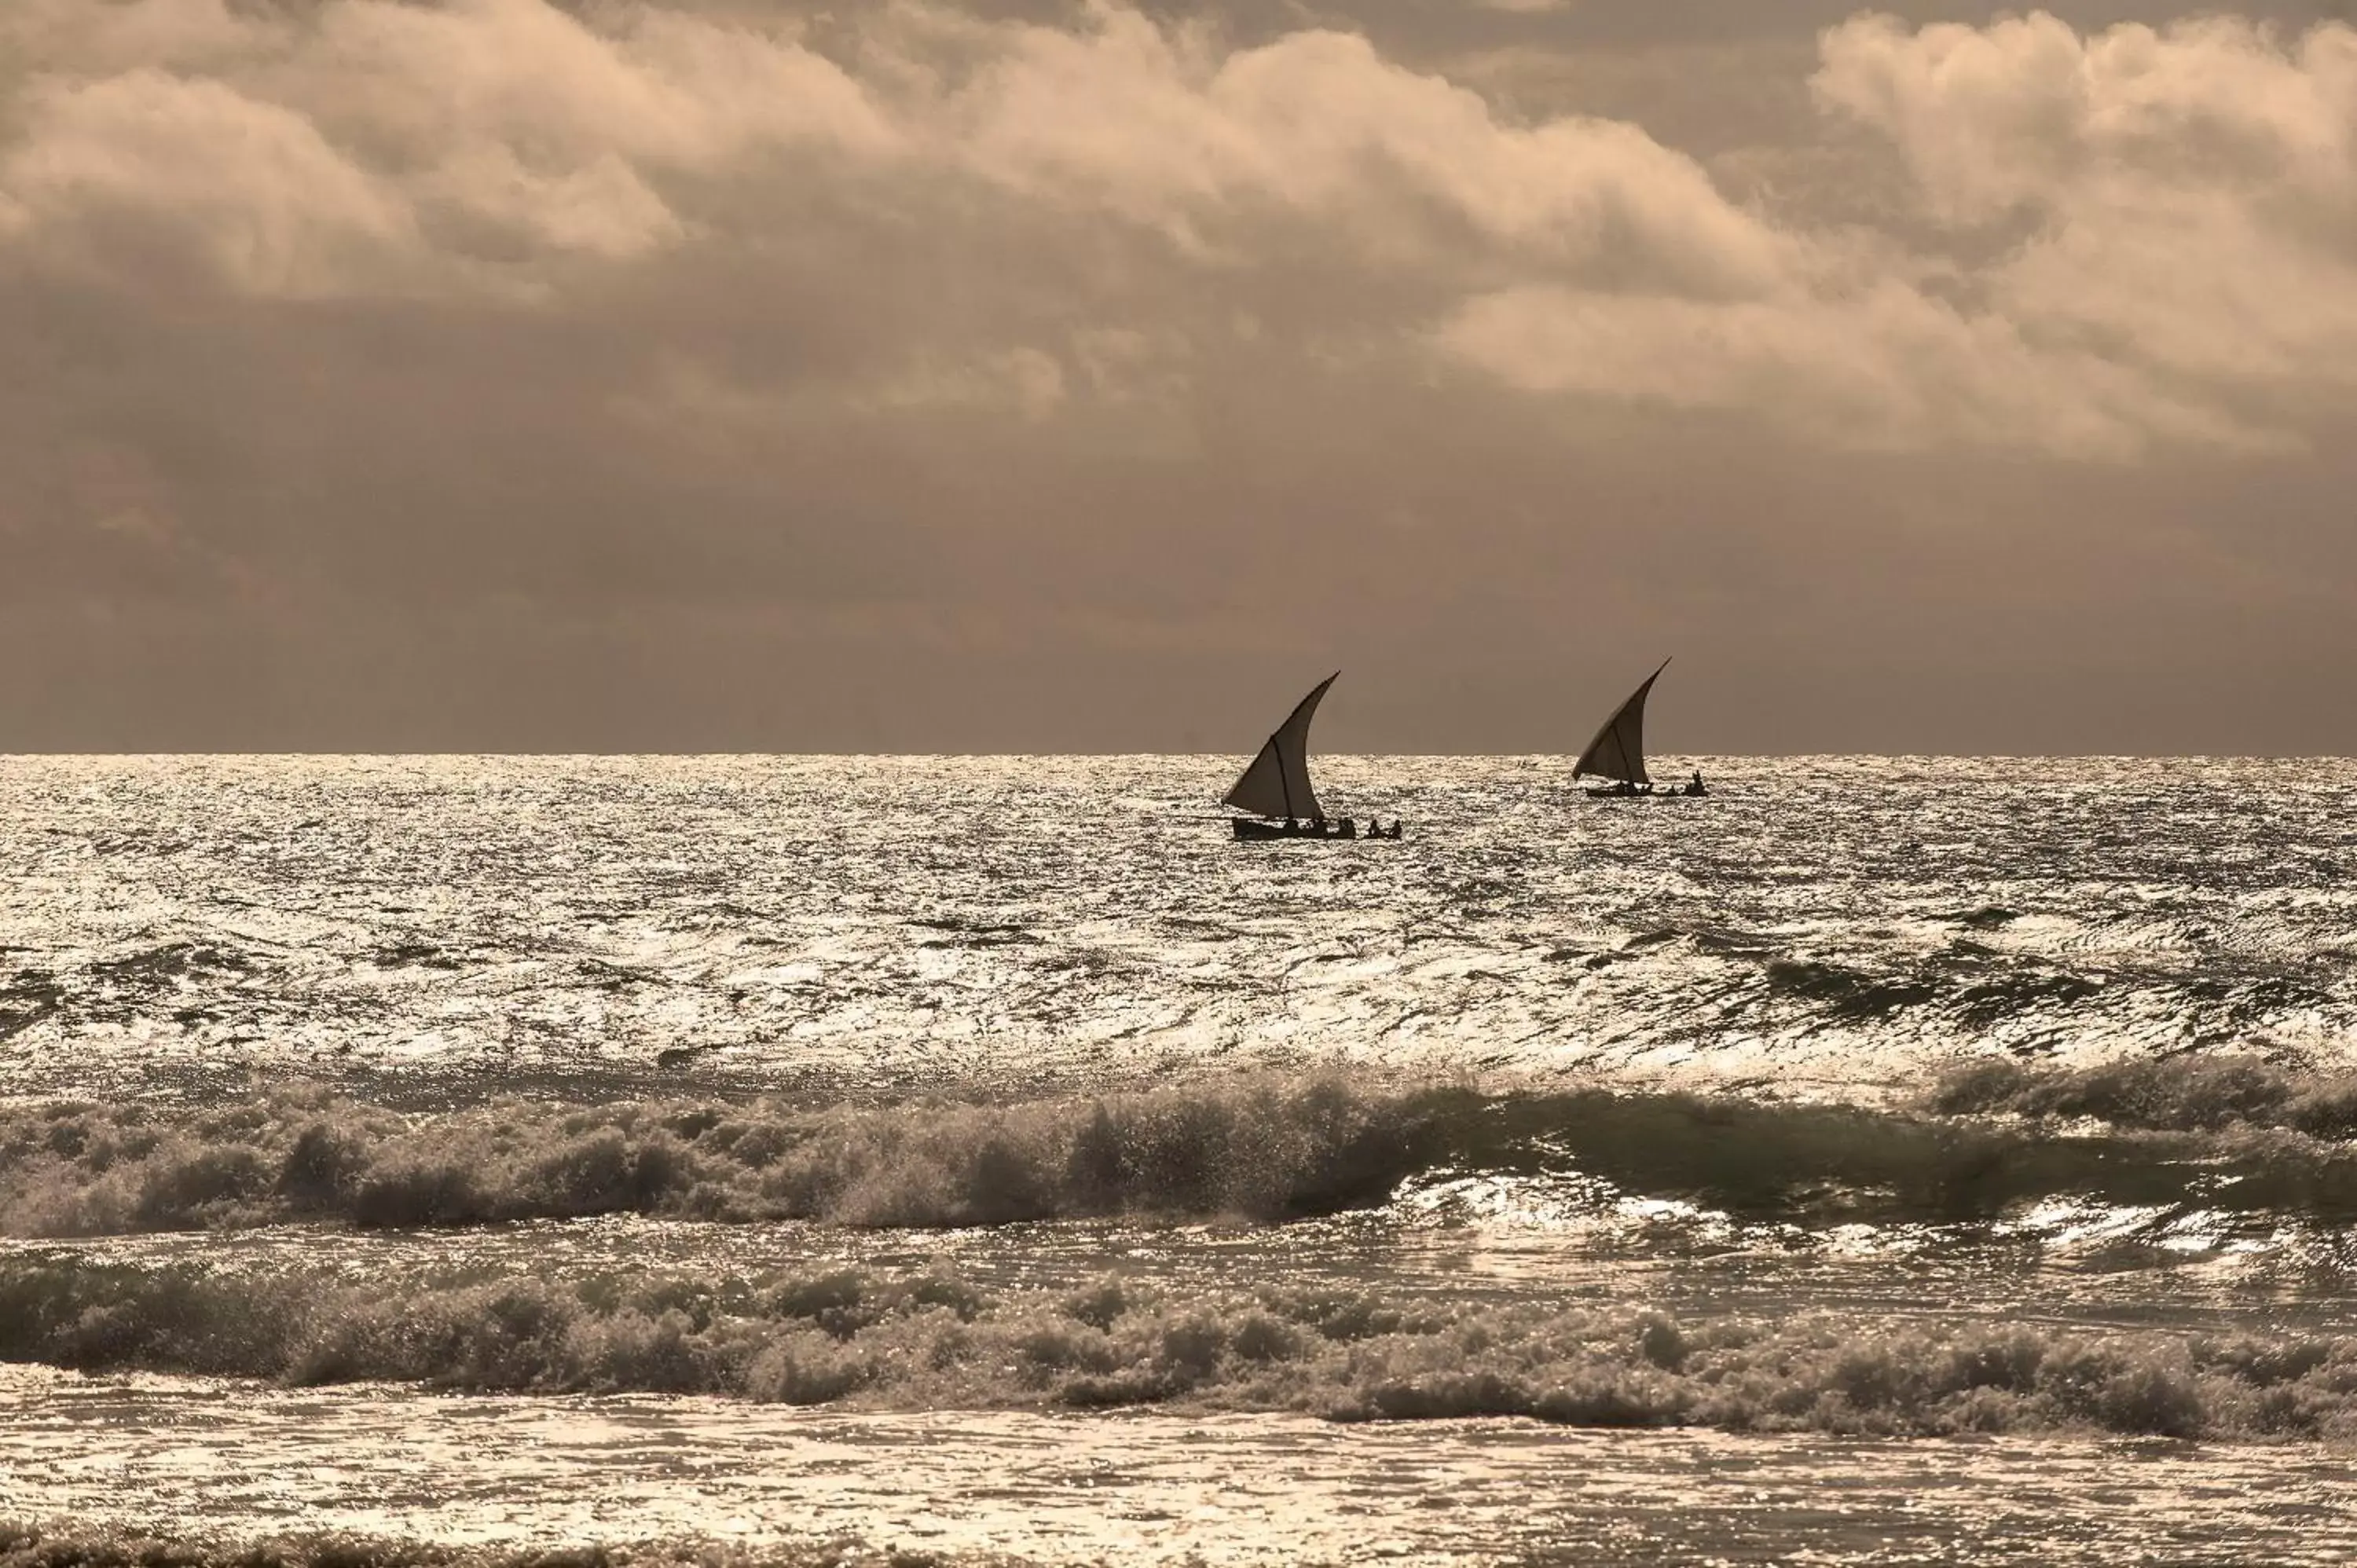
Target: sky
column 502, row 375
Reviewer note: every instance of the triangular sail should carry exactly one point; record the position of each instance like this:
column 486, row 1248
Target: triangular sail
column 1619, row 749
column 1277, row 782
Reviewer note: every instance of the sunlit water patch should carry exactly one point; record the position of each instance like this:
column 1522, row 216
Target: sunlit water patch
column 893, row 922
column 1881, row 1160
column 505, row 1473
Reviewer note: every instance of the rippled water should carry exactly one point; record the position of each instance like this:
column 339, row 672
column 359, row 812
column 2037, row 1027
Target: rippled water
column 1888, row 1159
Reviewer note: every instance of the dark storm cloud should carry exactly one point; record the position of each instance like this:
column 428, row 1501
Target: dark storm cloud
column 495, row 375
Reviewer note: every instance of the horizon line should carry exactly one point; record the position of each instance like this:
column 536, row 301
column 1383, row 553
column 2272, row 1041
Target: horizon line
column 1723, row 756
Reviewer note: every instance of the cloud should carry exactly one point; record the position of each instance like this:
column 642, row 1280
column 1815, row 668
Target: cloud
column 1160, row 127
column 2114, row 239
column 2141, row 236
column 658, row 87
column 251, row 186
column 2026, row 111
column 628, row 371
column 2187, row 196
column 1889, row 368
column 372, row 148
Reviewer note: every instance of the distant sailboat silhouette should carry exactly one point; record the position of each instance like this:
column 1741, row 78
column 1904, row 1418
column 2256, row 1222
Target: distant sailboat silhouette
column 1617, row 752
column 1276, row 784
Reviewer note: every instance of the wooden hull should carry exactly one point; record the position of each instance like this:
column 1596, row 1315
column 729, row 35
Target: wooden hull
column 1644, row 795
column 1256, row 831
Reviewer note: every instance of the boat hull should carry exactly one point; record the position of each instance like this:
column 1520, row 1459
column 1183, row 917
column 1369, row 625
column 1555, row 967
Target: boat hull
column 1256, row 831
column 1643, row 795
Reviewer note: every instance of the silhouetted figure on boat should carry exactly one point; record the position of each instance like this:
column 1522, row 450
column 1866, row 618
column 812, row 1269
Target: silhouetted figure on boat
column 1695, row 786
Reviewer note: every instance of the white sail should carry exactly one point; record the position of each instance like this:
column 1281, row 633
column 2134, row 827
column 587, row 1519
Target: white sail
column 1619, row 749
column 1277, row 782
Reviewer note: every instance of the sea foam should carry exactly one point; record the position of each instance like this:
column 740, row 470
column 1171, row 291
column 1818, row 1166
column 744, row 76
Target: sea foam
column 1266, row 1146
column 924, row 1339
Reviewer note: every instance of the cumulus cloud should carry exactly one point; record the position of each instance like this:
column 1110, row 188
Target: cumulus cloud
column 250, row 185
column 1317, row 127
column 657, row 87
column 372, row 146
column 2188, row 195
column 2133, row 236
column 1109, row 326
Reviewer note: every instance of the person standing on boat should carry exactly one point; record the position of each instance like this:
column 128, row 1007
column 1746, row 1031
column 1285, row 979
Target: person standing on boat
column 1695, row 787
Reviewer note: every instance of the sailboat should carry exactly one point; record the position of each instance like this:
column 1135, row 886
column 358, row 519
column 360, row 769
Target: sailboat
column 1617, row 752
column 1275, row 785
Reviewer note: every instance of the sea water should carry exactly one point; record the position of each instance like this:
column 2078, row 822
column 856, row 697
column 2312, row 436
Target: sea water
column 803, row 1159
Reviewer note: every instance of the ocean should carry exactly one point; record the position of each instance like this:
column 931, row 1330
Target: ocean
column 781, row 1160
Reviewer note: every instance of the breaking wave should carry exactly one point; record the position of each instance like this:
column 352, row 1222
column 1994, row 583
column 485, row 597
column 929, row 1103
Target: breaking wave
column 918, row 1338
column 1261, row 1148
column 2235, row 1135
column 2186, row 1093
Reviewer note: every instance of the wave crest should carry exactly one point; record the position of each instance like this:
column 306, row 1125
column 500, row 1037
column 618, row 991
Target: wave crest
column 2220, row 1134
column 1261, row 1148
column 2186, row 1093
column 925, row 1338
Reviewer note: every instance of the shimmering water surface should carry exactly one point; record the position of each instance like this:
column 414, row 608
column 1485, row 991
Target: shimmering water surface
column 1904, row 1160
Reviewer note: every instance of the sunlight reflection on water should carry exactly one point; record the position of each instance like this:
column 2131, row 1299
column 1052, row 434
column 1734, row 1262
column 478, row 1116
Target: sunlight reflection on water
column 610, row 923
column 1144, row 1489
column 442, row 933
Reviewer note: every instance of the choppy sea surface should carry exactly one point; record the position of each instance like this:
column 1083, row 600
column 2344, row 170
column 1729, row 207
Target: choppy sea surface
column 407, row 1159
